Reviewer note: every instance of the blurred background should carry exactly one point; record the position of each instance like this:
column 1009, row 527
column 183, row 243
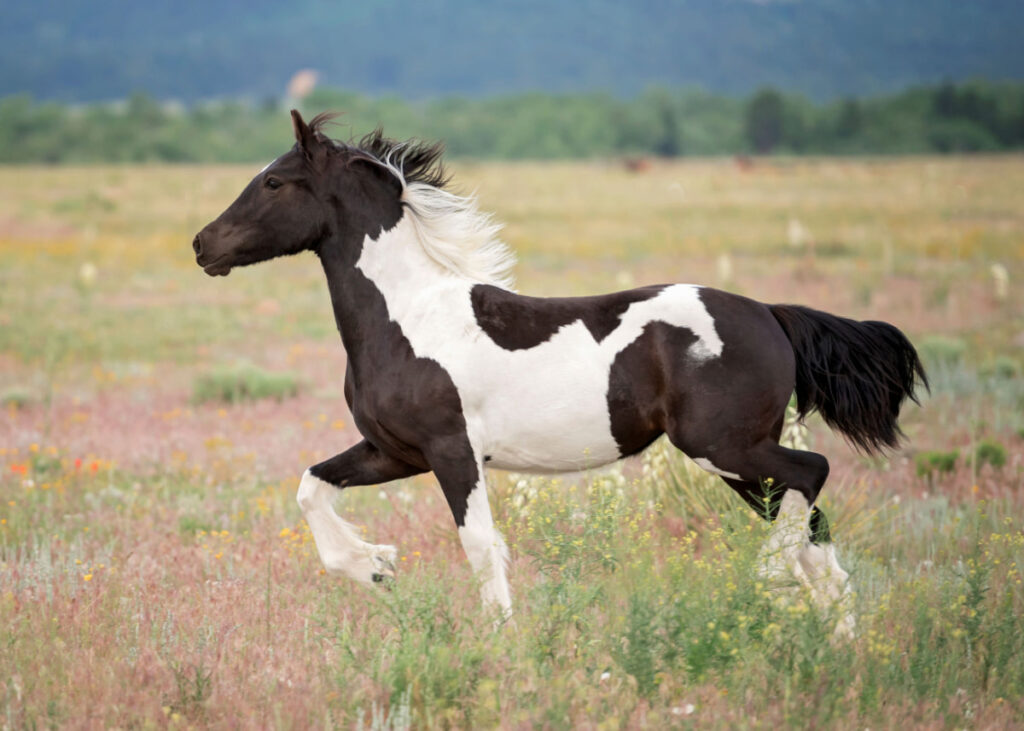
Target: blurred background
column 205, row 81
column 861, row 157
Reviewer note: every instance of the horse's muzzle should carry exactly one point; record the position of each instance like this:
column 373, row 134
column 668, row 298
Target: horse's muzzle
column 216, row 268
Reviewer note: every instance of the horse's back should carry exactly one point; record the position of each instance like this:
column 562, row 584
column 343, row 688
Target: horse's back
column 583, row 381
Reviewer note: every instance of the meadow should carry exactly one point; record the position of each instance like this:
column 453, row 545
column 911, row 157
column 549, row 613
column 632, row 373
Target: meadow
column 155, row 571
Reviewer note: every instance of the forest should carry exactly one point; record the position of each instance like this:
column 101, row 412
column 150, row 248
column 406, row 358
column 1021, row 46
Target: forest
column 974, row 116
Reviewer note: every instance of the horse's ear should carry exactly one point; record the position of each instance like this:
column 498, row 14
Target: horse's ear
column 303, row 134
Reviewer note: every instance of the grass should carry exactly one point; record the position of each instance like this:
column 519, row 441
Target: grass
column 627, row 614
column 155, row 571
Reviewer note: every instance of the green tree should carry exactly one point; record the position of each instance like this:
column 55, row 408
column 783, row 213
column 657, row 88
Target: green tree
column 850, row 120
column 764, row 120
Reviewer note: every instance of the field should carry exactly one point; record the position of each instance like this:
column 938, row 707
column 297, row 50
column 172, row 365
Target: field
column 155, row 570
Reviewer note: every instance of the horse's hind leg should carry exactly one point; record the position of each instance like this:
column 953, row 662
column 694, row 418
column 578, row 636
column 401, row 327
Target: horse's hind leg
column 799, row 543
column 337, row 541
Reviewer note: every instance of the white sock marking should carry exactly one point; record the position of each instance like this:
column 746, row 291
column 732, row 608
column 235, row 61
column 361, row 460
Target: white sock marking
column 486, row 549
column 788, row 550
column 339, row 545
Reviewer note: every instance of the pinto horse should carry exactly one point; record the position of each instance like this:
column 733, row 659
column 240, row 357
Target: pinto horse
column 450, row 371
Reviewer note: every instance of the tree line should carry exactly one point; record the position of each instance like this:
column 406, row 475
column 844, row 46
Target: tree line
column 974, row 116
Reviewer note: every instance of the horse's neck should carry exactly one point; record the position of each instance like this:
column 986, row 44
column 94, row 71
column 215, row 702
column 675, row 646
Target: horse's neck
column 402, row 270
column 394, row 279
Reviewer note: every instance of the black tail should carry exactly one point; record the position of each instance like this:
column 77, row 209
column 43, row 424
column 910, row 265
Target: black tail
column 855, row 374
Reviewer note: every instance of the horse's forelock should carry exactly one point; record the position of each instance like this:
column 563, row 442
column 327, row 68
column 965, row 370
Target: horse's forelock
column 316, row 124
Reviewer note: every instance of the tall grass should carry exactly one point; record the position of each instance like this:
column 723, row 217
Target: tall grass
column 629, row 611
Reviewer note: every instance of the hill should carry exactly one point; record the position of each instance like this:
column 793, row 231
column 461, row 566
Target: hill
column 194, row 49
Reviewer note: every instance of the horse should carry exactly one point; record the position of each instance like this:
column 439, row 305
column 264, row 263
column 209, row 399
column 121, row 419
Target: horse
column 450, row 370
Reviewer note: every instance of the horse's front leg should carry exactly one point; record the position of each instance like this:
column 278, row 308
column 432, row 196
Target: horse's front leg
column 337, row 541
column 461, row 474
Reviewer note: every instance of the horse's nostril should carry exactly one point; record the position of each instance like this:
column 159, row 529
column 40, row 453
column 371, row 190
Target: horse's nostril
column 197, row 245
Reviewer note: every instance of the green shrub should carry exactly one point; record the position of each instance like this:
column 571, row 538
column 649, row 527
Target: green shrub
column 929, row 463
column 942, row 350
column 990, row 452
column 1002, row 367
column 243, row 382
column 16, row 397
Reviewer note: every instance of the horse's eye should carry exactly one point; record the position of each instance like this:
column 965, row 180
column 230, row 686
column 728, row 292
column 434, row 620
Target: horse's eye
column 273, row 183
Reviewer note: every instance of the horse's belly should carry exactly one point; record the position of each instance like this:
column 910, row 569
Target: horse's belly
column 549, row 437
column 548, row 416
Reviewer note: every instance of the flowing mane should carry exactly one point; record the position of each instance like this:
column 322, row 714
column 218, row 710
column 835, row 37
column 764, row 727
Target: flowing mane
column 451, row 228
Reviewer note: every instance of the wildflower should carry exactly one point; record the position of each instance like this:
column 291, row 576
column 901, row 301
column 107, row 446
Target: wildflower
column 1000, row 282
column 87, row 577
column 87, row 274
column 284, row 533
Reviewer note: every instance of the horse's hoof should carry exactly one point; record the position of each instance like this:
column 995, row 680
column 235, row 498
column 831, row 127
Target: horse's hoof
column 385, row 571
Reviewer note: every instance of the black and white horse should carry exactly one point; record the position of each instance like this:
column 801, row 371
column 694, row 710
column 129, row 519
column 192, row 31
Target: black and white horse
column 450, row 370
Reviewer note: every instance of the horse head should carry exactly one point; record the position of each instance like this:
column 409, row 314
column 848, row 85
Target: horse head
column 306, row 196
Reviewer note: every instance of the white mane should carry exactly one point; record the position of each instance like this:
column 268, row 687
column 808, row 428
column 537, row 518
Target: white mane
column 453, row 231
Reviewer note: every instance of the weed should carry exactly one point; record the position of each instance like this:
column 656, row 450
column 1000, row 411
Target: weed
column 190, row 525
column 928, row 464
column 638, row 649
column 991, row 452
column 16, row 397
column 942, row 351
column 1002, row 367
column 193, row 684
column 243, row 382
column 398, row 718
column 938, row 296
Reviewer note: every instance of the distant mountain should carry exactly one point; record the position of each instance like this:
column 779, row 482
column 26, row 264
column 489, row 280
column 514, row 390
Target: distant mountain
column 189, row 49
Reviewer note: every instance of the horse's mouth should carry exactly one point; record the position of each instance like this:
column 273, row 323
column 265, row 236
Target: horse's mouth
column 218, row 268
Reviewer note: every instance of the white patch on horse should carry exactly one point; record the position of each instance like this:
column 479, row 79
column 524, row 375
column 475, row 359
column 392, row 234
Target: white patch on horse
column 540, row 409
column 341, row 549
column 705, row 463
column 486, row 549
column 268, row 166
